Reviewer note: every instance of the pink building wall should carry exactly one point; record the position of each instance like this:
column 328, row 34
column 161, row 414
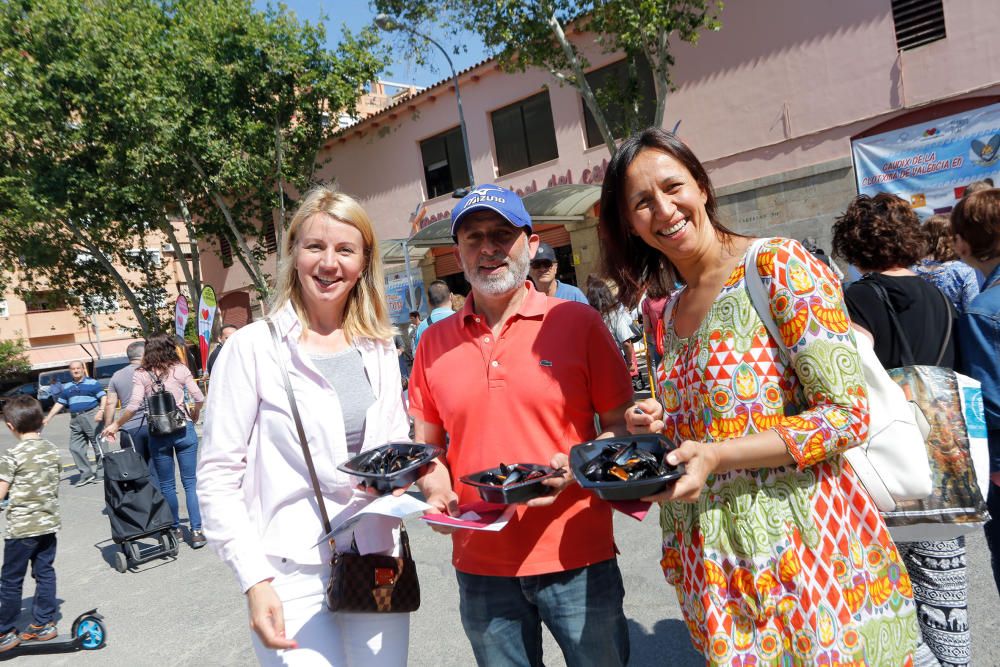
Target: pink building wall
column 781, row 87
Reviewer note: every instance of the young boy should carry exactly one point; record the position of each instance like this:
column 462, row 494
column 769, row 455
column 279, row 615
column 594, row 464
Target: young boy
column 30, row 472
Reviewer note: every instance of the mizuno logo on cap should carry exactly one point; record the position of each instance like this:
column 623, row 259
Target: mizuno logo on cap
column 484, row 194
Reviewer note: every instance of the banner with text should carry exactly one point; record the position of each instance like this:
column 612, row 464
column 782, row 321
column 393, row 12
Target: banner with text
column 930, row 164
column 181, row 315
column 206, row 316
column 397, row 293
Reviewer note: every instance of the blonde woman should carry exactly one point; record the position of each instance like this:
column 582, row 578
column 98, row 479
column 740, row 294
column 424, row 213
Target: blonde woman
column 259, row 509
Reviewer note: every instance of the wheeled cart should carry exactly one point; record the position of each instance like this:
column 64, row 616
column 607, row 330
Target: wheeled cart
column 136, row 509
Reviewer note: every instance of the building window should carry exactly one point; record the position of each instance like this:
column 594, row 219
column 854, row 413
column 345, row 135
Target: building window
column 612, row 84
column 142, row 257
column 95, row 304
column 225, row 252
column 270, row 238
column 524, row 134
column 41, row 301
column 4, row 309
column 444, row 163
column 917, row 22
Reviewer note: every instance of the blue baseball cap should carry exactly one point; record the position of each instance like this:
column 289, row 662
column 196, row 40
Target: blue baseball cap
column 501, row 201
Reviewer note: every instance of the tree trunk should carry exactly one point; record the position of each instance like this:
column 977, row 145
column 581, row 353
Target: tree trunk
column 583, row 85
column 279, row 226
column 133, row 300
column 192, row 244
column 194, row 287
column 661, row 82
column 243, row 250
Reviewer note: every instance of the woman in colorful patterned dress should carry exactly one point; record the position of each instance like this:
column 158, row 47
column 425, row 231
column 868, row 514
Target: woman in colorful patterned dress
column 777, row 553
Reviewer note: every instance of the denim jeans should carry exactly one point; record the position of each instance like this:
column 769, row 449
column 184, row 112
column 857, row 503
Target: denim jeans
column 185, row 445
column 992, row 530
column 582, row 608
column 40, row 551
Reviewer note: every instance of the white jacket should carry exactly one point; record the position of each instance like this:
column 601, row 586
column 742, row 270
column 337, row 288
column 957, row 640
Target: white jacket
column 253, row 485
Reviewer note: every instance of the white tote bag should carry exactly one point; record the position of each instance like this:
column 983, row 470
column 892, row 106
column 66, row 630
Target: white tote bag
column 892, row 463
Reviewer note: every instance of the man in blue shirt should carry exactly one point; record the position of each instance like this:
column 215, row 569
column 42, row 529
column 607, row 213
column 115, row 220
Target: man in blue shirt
column 439, row 298
column 543, row 270
column 82, row 397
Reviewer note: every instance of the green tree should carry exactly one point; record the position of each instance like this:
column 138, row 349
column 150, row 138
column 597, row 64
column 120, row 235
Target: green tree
column 14, row 358
column 72, row 195
column 250, row 108
column 532, row 33
column 120, row 117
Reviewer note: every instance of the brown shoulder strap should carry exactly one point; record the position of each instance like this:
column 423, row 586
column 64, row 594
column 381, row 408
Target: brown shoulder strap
column 298, row 427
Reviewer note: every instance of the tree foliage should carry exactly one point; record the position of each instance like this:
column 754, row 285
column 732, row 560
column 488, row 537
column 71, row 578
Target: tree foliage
column 532, row 33
column 118, row 117
column 14, row 358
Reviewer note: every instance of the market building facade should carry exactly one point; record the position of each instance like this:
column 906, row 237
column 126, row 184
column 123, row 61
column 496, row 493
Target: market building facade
column 770, row 103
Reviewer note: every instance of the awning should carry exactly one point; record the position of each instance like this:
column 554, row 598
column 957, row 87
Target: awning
column 58, row 356
column 560, row 205
column 392, row 251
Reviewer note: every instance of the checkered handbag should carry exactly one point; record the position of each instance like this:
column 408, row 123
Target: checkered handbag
column 374, row 583
column 358, row 583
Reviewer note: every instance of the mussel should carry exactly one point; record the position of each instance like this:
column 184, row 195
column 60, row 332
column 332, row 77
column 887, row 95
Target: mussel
column 390, row 460
column 508, row 475
column 623, row 463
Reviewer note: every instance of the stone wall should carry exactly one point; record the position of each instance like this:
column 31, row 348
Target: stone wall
column 795, row 204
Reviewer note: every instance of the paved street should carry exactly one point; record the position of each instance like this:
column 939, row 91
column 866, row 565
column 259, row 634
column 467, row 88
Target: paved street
column 189, row 611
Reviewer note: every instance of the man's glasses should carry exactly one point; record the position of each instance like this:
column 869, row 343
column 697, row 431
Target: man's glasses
column 541, row 265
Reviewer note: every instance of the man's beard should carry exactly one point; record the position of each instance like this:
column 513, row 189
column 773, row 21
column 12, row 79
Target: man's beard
column 513, row 277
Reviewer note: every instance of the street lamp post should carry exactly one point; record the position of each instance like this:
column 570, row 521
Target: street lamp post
column 386, row 22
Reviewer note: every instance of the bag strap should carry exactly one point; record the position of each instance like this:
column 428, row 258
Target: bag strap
column 907, row 352
column 759, row 298
column 298, row 427
column 947, row 335
column 156, row 380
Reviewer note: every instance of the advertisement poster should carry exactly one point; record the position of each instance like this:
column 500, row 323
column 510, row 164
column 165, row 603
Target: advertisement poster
column 930, row 164
column 206, row 315
column 397, row 293
column 181, row 315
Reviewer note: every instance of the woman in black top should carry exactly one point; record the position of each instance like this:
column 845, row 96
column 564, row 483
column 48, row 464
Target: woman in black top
column 881, row 237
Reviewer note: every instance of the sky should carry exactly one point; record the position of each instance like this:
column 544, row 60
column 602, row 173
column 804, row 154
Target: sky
column 357, row 13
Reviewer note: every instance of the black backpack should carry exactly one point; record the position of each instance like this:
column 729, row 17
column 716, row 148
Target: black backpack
column 164, row 416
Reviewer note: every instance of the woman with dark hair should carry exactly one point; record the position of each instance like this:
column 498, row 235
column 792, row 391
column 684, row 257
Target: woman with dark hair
column 770, row 540
column 616, row 319
column 162, row 365
column 941, row 265
column 652, row 306
column 881, row 236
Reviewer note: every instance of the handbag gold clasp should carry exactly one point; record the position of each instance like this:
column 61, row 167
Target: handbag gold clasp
column 385, row 576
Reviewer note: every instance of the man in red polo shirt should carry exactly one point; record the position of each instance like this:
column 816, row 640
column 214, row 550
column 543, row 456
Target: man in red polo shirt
column 516, row 377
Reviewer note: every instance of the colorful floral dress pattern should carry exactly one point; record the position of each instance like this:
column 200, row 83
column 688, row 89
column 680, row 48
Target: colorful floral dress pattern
column 791, row 565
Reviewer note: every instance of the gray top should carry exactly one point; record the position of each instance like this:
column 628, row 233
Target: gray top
column 121, row 384
column 345, row 371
